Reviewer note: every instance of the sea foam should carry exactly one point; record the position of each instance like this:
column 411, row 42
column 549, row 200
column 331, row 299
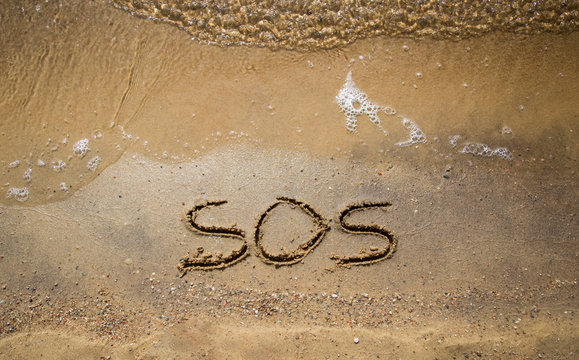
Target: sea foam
column 80, row 148
column 353, row 102
column 485, row 150
column 20, row 194
column 416, row 134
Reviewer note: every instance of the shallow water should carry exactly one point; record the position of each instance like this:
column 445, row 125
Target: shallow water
column 125, row 83
column 314, row 25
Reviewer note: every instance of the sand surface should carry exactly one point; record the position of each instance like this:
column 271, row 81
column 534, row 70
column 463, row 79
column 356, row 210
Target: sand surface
column 480, row 252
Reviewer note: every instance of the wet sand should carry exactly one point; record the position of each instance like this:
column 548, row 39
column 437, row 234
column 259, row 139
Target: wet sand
column 486, row 253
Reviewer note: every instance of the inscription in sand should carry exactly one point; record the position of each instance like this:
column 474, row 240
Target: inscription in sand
column 200, row 259
column 286, row 257
column 374, row 254
column 203, row 260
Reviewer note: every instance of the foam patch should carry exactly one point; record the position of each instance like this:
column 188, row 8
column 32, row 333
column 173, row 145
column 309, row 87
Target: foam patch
column 27, row 175
column 416, row 134
column 14, row 164
column 58, row 166
column 20, row 194
column 353, row 102
column 485, row 150
column 453, row 140
column 80, row 148
column 93, row 163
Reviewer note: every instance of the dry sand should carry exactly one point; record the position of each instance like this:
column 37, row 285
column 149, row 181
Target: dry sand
column 487, row 255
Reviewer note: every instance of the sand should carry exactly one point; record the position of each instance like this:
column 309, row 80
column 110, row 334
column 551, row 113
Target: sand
column 486, row 253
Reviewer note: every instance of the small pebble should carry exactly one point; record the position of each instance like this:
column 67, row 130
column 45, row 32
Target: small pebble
column 356, row 340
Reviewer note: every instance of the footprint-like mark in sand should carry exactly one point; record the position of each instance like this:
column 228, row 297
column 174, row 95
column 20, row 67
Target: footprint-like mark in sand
column 201, row 260
column 291, row 257
column 374, row 254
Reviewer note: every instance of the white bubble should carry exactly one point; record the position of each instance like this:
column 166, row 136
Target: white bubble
column 20, row 194
column 93, row 163
column 80, row 148
column 353, row 102
column 416, row 134
column 27, row 176
column 485, row 150
column 453, row 139
column 503, row 153
column 63, row 186
column 58, row 165
column 419, row 75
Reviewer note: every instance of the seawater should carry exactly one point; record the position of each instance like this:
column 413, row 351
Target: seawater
column 78, row 90
column 307, row 25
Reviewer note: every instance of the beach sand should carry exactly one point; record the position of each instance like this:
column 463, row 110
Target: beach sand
column 486, row 252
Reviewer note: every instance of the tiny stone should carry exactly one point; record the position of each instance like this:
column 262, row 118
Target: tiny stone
column 356, row 340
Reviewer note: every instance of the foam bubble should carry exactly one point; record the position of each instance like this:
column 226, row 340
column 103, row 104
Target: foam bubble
column 503, row 153
column 93, row 163
column 453, row 139
column 485, row 150
column 416, row 134
column 507, row 130
column 80, row 148
column 63, row 186
column 20, row 194
column 27, row 176
column 58, row 166
column 14, row 164
column 354, row 102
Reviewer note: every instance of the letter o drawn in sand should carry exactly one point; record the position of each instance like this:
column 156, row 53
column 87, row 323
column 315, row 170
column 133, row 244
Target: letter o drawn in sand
column 201, row 260
column 375, row 254
column 290, row 257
